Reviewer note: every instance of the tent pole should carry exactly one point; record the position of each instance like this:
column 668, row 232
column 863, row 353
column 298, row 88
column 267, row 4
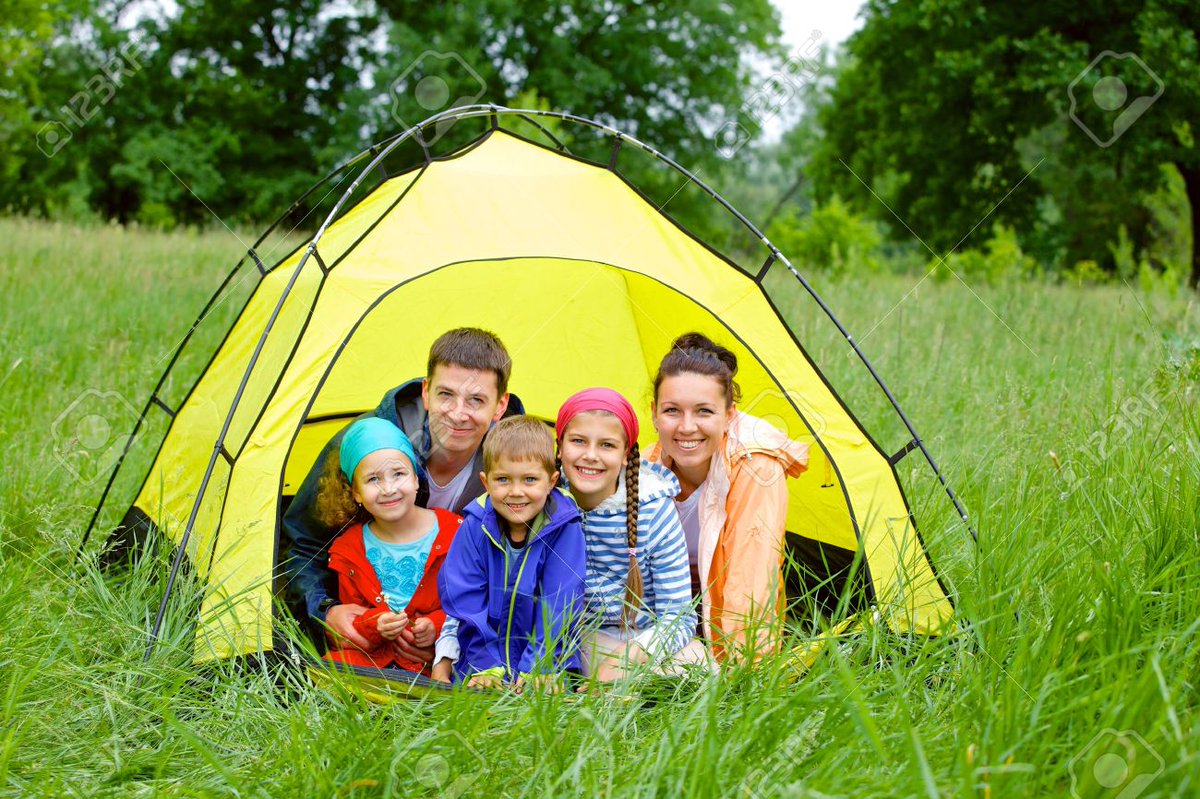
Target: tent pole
column 187, row 336
column 891, row 398
column 217, row 449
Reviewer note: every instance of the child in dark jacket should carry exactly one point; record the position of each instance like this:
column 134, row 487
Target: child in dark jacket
column 514, row 577
column 390, row 563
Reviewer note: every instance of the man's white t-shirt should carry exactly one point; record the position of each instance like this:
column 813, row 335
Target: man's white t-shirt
column 447, row 496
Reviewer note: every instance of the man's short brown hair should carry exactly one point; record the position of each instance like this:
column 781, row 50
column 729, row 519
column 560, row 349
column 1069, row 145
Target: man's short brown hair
column 472, row 348
column 520, row 438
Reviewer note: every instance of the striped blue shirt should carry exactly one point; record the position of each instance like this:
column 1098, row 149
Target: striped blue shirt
column 667, row 622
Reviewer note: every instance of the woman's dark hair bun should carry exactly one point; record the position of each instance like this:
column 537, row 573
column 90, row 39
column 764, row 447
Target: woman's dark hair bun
column 699, row 341
column 696, row 353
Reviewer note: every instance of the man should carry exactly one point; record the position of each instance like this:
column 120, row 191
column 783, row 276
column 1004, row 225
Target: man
column 445, row 415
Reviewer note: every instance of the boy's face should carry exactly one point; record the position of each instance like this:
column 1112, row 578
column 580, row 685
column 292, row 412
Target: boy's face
column 518, row 489
column 462, row 404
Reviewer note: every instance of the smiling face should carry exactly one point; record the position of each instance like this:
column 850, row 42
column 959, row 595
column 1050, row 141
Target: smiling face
column 691, row 416
column 518, row 489
column 386, row 485
column 462, row 403
column 592, row 452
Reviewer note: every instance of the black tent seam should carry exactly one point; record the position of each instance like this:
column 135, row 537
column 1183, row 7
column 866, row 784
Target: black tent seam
column 907, row 448
column 263, row 409
column 558, row 145
column 155, row 399
column 319, row 259
column 262, row 270
column 371, row 228
column 286, row 365
column 332, row 417
column 762, row 273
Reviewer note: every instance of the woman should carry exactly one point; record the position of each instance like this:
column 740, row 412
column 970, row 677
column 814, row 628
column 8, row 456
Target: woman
column 733, row 471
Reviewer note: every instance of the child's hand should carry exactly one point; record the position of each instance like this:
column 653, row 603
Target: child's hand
column 609, row 671
column 423, row 632
column 486, row 682
column 549, row 683
column 441, row 670
column 391, row 624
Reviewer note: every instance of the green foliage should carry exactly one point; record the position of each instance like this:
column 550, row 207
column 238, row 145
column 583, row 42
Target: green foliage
column 955, row 111
column 1086, row 272
column 1000, row 259
column 831, row 237
column 233, row 110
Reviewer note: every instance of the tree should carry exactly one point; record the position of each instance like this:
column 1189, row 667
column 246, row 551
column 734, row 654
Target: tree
column 669, row 73
column 938, row 104
column 237, row 107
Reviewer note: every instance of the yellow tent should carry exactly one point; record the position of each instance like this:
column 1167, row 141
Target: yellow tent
column 586, row 283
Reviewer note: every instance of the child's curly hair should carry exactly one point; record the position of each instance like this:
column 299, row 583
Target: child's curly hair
column 335, row 505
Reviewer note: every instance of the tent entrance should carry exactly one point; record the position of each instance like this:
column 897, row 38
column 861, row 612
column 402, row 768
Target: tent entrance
column 569, row 324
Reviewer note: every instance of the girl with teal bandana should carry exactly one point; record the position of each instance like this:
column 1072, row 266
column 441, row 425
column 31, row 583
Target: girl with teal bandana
column 388, row 559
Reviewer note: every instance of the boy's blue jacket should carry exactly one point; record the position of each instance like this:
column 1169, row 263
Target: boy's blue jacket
column 511, row 613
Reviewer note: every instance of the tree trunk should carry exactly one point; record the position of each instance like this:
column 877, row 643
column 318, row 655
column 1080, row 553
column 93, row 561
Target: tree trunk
column 1191, row 181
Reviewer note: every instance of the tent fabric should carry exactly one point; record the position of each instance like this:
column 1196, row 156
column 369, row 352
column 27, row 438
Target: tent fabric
column 585, row 281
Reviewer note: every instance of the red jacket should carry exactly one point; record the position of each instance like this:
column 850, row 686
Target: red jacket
column 358, row 585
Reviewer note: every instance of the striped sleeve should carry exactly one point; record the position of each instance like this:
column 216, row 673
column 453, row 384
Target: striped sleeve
column 668, row 583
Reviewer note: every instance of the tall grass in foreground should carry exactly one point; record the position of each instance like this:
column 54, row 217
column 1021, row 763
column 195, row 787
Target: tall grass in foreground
column 1081, row 600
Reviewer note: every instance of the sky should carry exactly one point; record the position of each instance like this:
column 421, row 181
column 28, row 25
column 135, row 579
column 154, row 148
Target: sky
column 807, row 24
column 835, row 19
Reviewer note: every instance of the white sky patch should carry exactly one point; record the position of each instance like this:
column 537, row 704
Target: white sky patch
column 835, row 19
column 829, row 22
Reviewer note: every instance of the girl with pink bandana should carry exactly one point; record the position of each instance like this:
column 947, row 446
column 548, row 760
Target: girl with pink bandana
column 638, row 586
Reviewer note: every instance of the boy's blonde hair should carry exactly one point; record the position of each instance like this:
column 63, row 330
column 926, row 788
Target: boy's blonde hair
column 520, row 438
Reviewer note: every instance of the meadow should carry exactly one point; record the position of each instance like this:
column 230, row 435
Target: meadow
column 1065, row 415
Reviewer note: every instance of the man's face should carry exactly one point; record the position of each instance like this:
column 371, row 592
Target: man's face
column 462, row 403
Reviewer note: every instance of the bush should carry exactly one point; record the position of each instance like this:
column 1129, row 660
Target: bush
column 1001, row 259
column 832, row 237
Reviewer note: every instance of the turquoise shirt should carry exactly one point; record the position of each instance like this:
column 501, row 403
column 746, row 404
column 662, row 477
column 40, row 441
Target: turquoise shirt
column 399, row 567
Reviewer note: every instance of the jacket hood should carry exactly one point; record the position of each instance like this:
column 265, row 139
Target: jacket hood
column 748, row 435
column 561, row 506
column 655, row 481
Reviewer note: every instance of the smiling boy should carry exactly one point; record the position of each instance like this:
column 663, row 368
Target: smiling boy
column 514, row 576
column 446, row 415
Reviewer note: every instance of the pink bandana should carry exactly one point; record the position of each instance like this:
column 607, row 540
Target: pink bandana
column 599, row 399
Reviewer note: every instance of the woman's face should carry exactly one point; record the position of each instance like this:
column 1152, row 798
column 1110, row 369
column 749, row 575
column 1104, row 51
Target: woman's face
column 691, row 416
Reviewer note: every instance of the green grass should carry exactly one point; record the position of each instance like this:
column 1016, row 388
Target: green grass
column 1082, row 596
